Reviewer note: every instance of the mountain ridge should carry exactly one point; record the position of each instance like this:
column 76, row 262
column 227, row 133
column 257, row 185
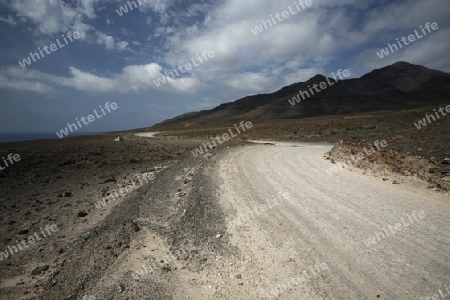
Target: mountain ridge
column 398, row 86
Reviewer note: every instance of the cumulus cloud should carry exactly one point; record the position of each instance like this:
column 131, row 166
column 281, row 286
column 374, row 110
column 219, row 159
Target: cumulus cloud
column 133, row 78
column 252, row 82
column 316, row 36
column 25, row 85
column 9, row 20
column 109, row 42
column 316, row 40
column 50, row 18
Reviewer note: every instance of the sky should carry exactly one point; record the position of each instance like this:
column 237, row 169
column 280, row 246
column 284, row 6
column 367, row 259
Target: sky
column 118, row 56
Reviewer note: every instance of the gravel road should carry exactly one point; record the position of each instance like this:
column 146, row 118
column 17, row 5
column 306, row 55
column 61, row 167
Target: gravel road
column 317, row 230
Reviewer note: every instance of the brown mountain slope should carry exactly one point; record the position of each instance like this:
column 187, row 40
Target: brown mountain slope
column 398, row 86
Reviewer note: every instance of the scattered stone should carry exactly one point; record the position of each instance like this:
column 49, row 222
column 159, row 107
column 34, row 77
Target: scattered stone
column 135, row 226
column 82, row 214
column 218, row 236
column 110, row 178
column 395, row 182
column 239, row 276
column 385, row 179
column 121, row 288
column 40, row 270
column 67, row 194
column 446, row 161
column 433, row 170
column 23, row 231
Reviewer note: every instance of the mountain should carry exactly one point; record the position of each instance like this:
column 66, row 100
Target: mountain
column 396, row 87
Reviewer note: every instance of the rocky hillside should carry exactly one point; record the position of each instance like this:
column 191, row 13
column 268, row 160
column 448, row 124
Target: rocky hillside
column 396, row 87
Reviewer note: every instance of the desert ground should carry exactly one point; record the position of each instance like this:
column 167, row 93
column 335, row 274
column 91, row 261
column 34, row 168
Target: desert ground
column 135, row 246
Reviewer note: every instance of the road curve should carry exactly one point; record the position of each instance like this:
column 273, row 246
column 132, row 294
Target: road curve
column 327, row 221
column 147, row 134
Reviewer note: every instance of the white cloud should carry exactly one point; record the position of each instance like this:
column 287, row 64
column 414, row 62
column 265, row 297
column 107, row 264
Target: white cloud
column 50, row 16
column 253, row 82
column 313, row 36
column 316, row 36
column 25, row 85
column 9, row 19
column 53, row 17
column 293, row 50
column 109, row 42
column 122, row 45
column 133, row 78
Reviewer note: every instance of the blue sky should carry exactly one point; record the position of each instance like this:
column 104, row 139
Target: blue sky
column 117, row 58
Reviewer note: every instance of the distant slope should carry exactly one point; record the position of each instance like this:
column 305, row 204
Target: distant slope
column 398, row 86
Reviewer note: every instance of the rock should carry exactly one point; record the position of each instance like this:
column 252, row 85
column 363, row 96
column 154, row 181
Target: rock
column 395, row 182
column 136, row 227
column 239, row 276
column 110, row 178
column 67, row 194
column 433, row 170
column 82, row 214
column 385, row 179
column 40, row 270
column 23, row 231
column 218, row 236
column 446, row 161
column 121, row 288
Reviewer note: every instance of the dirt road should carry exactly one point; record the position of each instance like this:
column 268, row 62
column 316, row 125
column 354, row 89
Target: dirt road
column 319, row 236
column 345, row 236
